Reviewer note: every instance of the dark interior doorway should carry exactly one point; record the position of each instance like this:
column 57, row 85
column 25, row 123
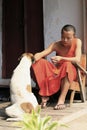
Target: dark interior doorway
column 22, row 31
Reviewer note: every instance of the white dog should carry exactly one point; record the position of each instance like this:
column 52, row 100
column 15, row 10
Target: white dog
column 22, row 98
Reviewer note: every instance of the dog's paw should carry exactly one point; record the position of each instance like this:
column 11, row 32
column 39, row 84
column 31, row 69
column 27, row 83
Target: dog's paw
column 13, row 119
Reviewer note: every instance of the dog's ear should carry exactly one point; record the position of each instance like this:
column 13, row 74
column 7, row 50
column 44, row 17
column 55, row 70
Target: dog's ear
column 30, row 55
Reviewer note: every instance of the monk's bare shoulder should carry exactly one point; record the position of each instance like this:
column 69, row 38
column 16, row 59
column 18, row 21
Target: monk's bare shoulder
column 56, row 45
column 79, row 42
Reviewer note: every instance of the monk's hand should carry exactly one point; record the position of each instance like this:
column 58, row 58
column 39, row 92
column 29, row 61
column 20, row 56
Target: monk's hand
column 37, row 56
column 56, row 59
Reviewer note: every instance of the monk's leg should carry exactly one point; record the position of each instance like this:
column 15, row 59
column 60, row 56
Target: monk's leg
column 64, row 89
column 44, row 101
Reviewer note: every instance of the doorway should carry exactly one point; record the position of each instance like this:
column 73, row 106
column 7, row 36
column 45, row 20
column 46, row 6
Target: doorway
column 22, row 31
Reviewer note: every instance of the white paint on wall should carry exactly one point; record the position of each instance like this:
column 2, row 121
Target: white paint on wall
column 0, row 38
column 57, row 13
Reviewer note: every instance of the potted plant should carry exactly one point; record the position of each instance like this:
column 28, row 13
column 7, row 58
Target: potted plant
column 34, row 121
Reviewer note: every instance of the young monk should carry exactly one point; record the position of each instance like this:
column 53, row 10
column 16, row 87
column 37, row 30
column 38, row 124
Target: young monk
column 58, row 74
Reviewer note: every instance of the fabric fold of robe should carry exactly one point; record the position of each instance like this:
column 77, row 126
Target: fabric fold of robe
column 49, row 76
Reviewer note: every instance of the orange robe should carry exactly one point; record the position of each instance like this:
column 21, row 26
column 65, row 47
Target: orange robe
column 49, row 76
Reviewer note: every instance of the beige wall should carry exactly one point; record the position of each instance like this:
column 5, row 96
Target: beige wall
column 60, row 12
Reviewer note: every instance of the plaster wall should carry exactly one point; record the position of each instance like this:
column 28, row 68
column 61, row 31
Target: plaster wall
column 57, row 13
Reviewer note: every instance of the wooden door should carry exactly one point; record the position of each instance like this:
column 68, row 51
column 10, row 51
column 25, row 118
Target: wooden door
column 22, row 31
column 33, row 17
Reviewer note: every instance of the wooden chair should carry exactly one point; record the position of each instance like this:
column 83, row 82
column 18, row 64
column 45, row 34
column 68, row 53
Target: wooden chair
column 79, row 86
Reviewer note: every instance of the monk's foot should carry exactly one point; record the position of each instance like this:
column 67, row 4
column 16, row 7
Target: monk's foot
column 44, row 102
column 60, row 107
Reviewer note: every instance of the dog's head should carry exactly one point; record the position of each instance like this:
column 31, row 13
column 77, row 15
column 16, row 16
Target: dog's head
column 28, row 55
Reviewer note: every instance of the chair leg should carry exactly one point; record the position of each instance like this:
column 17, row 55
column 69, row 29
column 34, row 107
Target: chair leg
column 72, row 97
column 82, row 91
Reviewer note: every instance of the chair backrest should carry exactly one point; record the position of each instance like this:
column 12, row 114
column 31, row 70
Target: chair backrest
column 83, row 61
column 80, row 84
column 83, row 64
column 75, row 85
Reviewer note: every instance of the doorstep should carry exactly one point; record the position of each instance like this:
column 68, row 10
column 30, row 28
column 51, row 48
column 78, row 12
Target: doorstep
column 68, row 114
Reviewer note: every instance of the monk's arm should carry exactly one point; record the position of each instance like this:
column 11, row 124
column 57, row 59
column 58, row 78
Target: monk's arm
column 74, row 59
column 45, row 52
